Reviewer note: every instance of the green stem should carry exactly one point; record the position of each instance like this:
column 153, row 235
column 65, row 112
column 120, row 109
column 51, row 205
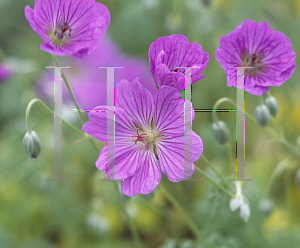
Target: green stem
column 187, row 218
column 213, row 181
column 132, row 227
column 27, row 117
column 74, row 100
column 216, row 171
column 69, row 89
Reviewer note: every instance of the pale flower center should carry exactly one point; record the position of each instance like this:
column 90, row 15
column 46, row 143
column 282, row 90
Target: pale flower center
column 61, row 34
column 148, row 138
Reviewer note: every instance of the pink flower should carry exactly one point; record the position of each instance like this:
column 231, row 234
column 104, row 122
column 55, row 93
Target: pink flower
column 149, row 137
column 68, row 27
column 256, row 45
column 169, row 52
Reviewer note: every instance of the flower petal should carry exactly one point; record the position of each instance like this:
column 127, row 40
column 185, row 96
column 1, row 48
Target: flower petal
column 29, row 14
column 128, row 160
column 169, row 112
column 146, row 179
column 97, row 127
column 176, row 158
column 137, row 101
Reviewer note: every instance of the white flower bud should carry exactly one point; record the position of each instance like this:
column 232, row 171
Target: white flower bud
column 235, row 203
column 32, row 144
column 245, row 211
column 272, row 105
column 220, row 132
column 262, row 115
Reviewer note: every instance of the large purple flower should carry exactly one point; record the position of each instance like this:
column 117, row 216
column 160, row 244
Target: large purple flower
column 149, row 137
column 88, row 82
column 169, row 52
column 68, row 27
column 256, row 45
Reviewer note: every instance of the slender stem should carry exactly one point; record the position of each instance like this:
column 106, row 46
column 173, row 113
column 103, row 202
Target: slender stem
column 69, row 89
column 74, row 100
column 213, row 181
column 132, row 227
column 216, row 171
column 229, row 154
column 27, row 117
column 186, row 217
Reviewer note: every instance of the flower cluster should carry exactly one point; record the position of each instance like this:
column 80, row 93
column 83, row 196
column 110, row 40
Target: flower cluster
column 150, row 131
column 150, row 126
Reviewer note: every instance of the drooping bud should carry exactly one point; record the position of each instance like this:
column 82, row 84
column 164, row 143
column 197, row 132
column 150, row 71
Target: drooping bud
column 272, row 105
column 235, row 203
column 262, row 115
column 32, row 144
column 220, row 132
column 244, row 211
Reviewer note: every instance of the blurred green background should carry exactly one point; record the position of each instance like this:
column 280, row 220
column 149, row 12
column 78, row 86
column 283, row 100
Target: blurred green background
column 86, row 212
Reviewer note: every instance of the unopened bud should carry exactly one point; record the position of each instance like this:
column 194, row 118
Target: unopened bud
column 245, row 211
column 220, row 132
column 32, row 144
column 262, row 115
column 235, row 203
column 272, row 105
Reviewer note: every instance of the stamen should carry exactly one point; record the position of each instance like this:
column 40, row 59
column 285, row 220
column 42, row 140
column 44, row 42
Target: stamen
column 61, row 33
column 254, row 61
column 138, row 136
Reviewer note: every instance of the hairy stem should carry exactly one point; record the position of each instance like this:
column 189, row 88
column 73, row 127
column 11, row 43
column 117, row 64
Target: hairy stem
column 69, row 89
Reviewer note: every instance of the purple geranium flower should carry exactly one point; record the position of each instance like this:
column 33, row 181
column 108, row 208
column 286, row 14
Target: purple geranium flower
column 88, row 82
column 168, row 53
column 254, row 44
column 147, row 130
column 68, row 27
